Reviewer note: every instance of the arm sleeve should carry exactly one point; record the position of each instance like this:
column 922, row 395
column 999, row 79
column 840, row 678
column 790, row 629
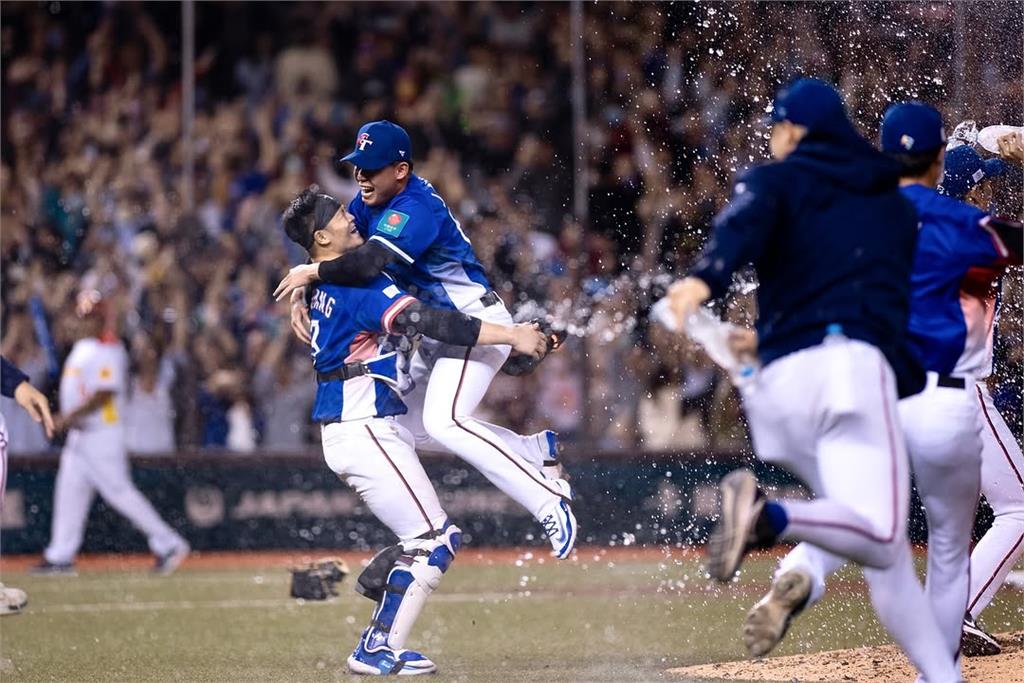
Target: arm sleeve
column 10, row 377
column 450, row 327
column 741, row 231
column 358, row 267
column 407, row 229
column 1008, row 238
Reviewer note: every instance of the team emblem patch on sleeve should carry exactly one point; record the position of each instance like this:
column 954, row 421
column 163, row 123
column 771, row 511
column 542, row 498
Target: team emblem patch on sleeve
column 392, row 222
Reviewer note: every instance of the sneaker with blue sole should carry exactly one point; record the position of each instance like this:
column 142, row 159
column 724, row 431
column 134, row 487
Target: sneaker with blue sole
column 560, row 524
column 382, row 660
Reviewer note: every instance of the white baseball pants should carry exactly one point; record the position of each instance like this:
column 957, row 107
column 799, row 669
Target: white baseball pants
column 942, row 432
column 450, row 383
column 1002, row 483
column 94, row 462
column 828, row 414
column 377, row 458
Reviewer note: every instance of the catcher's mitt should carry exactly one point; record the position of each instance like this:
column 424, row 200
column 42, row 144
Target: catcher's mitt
column 316, row 580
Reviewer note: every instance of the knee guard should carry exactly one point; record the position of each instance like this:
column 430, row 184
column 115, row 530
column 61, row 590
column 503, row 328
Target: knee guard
column 418, row 567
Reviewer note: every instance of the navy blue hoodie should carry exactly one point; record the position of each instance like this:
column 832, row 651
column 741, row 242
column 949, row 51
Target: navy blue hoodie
column 832, row 241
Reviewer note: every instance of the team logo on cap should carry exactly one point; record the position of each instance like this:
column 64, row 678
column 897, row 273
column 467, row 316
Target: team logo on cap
column 362, row 141
column 906, row 142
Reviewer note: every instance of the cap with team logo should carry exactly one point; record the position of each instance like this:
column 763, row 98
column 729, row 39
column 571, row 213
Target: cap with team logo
column 912, row 128
column 378, row 144
column 965, row 168
column 815, row 105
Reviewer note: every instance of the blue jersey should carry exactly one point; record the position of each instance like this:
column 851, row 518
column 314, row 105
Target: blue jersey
column 950, row 320
column 436, row 262
column 349, row 324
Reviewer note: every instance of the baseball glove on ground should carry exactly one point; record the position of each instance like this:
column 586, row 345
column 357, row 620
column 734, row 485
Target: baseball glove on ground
column 316, row 580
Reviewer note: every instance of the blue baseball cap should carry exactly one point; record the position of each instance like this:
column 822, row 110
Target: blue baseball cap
column 379, row 144
column 965, row 169
column 814, row 104
column 912, row 128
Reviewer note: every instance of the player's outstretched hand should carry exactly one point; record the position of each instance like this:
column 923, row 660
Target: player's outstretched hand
column 530, row 340
column 33, row 401
column 685, row 296
column 297, row 277
column 300, row 317
column 1011, row 146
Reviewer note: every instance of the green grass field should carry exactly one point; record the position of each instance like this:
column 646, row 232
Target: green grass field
column 591, row 619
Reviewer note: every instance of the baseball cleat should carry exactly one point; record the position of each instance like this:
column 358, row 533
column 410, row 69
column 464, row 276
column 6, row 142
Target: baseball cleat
column 976, row 641
column 47, row 568
column 768, row 621
column 737, row 528
column 560, row 525
column 166, row 564
column 12, row 600
column 385, row 661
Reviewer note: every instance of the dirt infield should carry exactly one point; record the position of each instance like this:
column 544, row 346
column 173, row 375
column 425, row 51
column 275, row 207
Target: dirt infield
column 863, row 664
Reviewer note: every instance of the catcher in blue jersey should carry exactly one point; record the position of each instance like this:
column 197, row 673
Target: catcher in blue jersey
column 360, row 374
column 412, row 236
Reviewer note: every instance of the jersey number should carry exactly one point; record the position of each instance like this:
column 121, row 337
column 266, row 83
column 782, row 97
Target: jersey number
column 314, row 332
column 109, row 412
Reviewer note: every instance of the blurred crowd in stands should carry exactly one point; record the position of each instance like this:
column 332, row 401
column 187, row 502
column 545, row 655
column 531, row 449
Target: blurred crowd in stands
column 91, row 180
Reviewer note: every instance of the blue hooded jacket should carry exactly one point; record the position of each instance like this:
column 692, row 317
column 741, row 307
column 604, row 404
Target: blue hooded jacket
column 832, row 241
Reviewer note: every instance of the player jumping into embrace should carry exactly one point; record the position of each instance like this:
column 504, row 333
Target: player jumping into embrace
column 359, row 373
column 832, row 241
column 412, row 236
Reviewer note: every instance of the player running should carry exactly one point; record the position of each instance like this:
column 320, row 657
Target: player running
column 14, row 384
column 94, row 458
column 359, row 374
column 412, row 235
column 832, row 241
column 966, row 177
column 957, row 245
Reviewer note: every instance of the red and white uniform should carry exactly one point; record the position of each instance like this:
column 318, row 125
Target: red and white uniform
column 94, row 458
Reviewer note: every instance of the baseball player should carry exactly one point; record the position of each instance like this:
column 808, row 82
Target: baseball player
column 966, row 177
column 359, row 376
column 942, row 423
column 94, row 458
column 14, row 384
column 412, row 235
column 832, row 241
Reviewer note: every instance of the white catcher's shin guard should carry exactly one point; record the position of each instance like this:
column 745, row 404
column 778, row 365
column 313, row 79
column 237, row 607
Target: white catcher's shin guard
column 415, row 575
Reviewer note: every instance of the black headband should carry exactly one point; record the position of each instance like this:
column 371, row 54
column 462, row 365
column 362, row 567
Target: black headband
column 324, row 209
column 309, row 212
